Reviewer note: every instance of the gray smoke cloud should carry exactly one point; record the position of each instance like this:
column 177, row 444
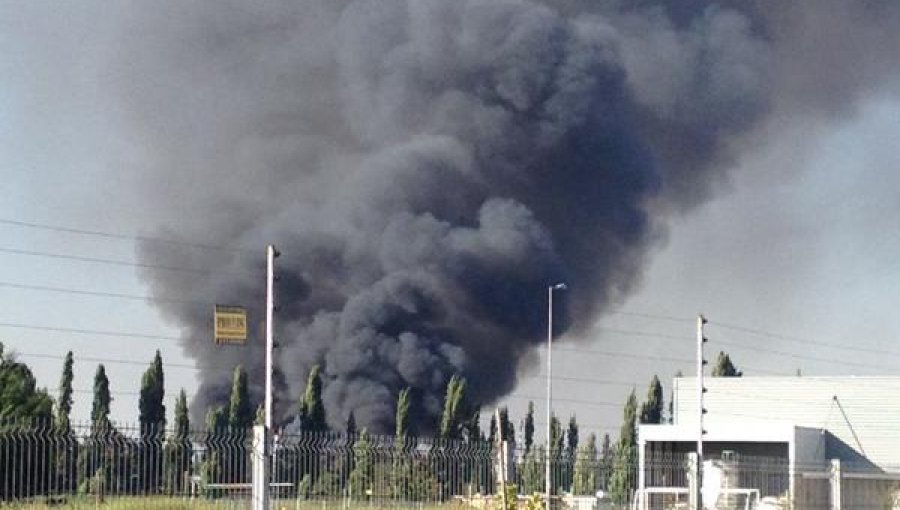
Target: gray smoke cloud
column 429, row 167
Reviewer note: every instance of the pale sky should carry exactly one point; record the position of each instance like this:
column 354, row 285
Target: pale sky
column 802, row 243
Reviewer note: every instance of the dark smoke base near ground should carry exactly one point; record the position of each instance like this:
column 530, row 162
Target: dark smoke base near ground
column 429, row 167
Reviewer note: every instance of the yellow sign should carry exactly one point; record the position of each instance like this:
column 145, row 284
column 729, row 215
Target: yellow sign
column 230, row 325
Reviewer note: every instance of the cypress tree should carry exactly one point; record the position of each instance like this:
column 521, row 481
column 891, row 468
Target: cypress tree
column 651, row 409
column 584, row 481
column 217, row 420
column 350, row 428
column 312, row 410
column 509, row 430
column 67, row 455
column 152, row 411
column 572, row 438
column 492, row 429
column 100, row 407
column 152, row 417
column 724, row 367
column 179, row 451
column 451, row 419
column 606, row 462
column 571, row 451
column 240, row 411
column 528, row 427
column 64, row 404
column 93, row 459
column 623, row 477
column 473, row 427
column 402, row 418
column 182, row 417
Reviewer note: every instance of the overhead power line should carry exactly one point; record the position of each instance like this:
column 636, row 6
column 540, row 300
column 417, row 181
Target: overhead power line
column 646, row 315
column 796, row 339
column 114, row 262
column 842, row 362
column 125, row 237
column 120, row 334
column 132, row 297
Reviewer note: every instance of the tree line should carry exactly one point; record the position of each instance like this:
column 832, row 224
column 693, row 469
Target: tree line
column 164, row 461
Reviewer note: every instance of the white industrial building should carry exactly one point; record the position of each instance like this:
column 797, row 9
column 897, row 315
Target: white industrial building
column 808, row 440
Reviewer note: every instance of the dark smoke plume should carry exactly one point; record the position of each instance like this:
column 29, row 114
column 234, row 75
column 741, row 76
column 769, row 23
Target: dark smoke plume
column 427, row 168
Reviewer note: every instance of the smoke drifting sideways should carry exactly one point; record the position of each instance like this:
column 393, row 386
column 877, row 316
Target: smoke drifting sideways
column 427, row 169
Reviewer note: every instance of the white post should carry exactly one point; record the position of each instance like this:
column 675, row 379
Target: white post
column 501, row 460
column 642, row 470
column 835, row 479
column 701, row 389
column 270, row 326
column 260, row 464
column 693, row 483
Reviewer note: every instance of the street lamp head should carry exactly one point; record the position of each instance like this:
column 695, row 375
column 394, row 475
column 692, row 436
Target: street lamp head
column 559, row 286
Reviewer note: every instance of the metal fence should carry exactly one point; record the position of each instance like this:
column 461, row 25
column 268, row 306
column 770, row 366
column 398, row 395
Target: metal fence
column 89, row 464
column 127, row 467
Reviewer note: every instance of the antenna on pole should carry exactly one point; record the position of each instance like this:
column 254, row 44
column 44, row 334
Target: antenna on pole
column 701, row 410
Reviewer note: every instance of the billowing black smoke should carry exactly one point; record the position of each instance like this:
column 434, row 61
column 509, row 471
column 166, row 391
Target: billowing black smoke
column 427, row 168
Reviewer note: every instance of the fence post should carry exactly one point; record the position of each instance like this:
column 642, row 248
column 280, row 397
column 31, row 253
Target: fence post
column 693, row 481
column 260, row 460
column 835, row 479
column 642, row 470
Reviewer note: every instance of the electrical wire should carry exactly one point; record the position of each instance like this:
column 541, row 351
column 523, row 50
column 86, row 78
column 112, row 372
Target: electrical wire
column 128, row 237
column 115, row 262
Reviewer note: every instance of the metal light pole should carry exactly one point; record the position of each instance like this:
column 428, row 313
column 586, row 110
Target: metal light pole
column 550, row 289
column 261, row 434
column 271, row 254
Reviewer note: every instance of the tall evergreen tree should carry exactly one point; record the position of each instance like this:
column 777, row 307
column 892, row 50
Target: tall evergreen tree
column 624, row 474
column 179, row 451
column 651, row 409
column 152, row 411
column 528, row 427
column 361, row 477
column 584, row 481
column 557, row 439
column 350, row 428
column 454, row 409
column 572, row 438
column 100, row 407
column 402, row 418
column 93, row 459
column 312, row 410
column 240, row 411
column 557, row 445
column 67, row 448
column 64, row 404
column 472, row 427
column 606, row 462
column 217, row 421
column 724, row 367
column 568, row 457
column 506, row 425
column 182, row 417
column 152, row 417
column 492, row 429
